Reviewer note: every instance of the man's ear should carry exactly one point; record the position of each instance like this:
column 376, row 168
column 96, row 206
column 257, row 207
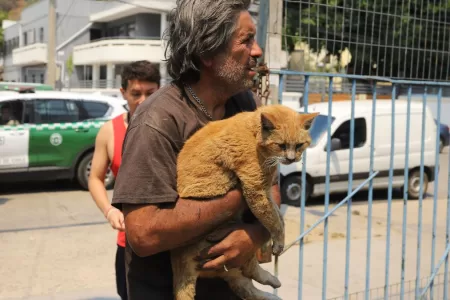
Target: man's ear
column 207, row 62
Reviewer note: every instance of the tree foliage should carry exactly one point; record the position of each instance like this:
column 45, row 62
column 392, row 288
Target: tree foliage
column 394, row 38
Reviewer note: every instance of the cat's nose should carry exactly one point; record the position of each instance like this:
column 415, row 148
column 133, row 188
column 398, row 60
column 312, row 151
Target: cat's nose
column 290, row 160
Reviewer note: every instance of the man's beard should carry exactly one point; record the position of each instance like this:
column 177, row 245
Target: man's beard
column 233, row 75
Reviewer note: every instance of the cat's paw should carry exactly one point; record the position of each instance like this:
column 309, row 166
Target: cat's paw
column 277, row 248
column 274, row 282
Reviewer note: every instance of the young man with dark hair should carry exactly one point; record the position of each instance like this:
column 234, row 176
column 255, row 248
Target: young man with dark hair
column 140, row 79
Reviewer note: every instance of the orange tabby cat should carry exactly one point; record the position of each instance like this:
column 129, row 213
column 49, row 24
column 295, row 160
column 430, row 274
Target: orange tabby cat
column 244, row 151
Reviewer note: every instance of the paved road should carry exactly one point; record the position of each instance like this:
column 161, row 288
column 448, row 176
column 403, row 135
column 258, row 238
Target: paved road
column 56, row 244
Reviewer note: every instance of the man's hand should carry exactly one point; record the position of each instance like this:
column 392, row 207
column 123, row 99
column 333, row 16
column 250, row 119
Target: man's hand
column 115, row 218
column 239, row 245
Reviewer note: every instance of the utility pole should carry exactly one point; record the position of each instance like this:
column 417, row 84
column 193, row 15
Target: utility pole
column 270, row 20
column 51, row 44
column 274, row 45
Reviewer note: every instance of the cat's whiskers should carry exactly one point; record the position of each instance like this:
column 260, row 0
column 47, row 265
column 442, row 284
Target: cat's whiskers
column 272, row 161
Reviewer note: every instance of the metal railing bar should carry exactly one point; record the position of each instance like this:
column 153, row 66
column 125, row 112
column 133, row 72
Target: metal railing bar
column 303, row 199
column 389, row 210
column 405, row 195
column 300, row 238
column 436, row 189
column 351, row 76
column 419, row 234
column 327, row 194
column 433, row 275
column 370, row 200
column 447, row 231
column 350, row 185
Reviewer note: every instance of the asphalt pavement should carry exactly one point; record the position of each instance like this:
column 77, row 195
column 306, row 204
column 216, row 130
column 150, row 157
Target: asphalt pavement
column 57, row 245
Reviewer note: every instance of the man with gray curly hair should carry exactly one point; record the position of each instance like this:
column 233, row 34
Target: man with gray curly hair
column 211, row 57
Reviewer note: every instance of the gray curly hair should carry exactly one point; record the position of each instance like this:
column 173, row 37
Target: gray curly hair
column 199, row 29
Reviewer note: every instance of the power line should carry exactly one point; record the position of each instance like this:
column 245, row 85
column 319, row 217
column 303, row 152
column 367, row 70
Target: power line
column 65, row 14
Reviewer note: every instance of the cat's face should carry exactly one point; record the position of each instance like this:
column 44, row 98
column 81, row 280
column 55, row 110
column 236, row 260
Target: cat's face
column 285, row 135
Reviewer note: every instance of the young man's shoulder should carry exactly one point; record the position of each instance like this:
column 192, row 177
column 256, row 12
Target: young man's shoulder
column 105, row 132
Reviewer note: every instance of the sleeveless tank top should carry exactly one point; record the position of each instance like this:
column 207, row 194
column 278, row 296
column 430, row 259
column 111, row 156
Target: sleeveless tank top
column 119, row 131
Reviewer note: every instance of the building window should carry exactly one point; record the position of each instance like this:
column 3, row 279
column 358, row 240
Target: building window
column 42, row 77
column 25, row 40
column 41, row 34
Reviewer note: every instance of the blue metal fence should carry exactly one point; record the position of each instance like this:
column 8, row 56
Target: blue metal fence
column 423, row 288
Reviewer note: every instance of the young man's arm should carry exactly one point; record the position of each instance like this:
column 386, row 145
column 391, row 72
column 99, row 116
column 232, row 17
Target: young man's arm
column 99, row 167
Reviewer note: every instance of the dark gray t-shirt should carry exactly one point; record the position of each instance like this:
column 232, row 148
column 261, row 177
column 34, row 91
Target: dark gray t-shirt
column 147, row 175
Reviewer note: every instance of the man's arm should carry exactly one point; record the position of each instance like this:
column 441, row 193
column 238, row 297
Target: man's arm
column 99, row 167
column 152, row 228
column 235, row 245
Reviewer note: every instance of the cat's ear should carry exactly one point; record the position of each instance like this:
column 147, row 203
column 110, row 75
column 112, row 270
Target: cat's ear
column 307, row 120
column 266, row 124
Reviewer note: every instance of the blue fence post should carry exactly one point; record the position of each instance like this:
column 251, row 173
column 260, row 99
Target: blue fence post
column 405, row 195
column 303, row 199
column 419, row 234
column 327, row 191
column 436, row 189
column 280, row 101
column 447, row 231
column 369, row 210
column 391, row 175
column 350, row 187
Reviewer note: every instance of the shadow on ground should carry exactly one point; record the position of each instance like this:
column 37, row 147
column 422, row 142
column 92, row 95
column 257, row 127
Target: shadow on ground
column 38, row 187
column 361, row 198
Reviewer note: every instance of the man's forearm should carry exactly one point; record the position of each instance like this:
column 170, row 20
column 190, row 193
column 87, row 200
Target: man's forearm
column 152, row 229
column 98, row 193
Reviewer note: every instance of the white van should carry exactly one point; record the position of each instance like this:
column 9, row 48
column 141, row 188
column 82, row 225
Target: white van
column 316, row 161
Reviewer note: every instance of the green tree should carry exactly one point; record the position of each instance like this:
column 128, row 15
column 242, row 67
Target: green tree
column 386, row 37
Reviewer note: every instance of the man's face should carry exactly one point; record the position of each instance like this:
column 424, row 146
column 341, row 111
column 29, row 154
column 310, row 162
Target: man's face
column 235, row 66
column 137, row 91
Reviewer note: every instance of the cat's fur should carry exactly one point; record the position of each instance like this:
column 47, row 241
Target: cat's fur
column 241, row 151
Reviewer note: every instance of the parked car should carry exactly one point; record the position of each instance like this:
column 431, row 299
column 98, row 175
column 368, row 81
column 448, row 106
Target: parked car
column 291, row 182
column 50, row 135
column 444, row 134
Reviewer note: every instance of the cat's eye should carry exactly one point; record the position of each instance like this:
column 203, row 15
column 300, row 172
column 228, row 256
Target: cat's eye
column 282, row 146
column 298, row 146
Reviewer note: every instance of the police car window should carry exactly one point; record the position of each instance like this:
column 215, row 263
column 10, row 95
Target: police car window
column 11, row 112
column 55, row 111
column 92, row 109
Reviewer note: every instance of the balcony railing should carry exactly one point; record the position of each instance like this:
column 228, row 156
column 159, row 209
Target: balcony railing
column 118, row 50
column 30, row 55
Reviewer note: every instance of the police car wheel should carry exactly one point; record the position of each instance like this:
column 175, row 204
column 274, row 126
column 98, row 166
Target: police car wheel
column 84, row 169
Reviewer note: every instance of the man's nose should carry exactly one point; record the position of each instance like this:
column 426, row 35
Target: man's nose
column 256, row 50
